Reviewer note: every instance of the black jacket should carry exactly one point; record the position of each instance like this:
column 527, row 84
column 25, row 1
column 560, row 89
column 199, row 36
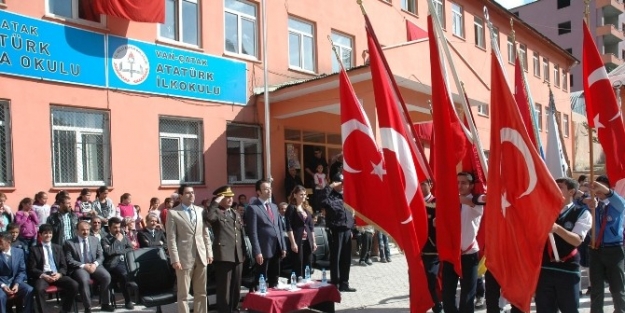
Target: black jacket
column 146, row 240
column 337, row 216
column 114, row 250
column 36, row 261
column 57, row 224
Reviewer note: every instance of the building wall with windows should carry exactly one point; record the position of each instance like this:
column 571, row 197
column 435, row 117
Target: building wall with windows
column 143, row 107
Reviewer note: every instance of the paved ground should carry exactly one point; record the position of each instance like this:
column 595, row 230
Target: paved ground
column 382, row 288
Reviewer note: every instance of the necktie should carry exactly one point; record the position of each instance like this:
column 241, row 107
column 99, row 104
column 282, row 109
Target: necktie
column 85, row 251
column 152, row 232
column 269, row 211
column 191, row 216
column 51, row 262
column 7, row 258
column 604, row 221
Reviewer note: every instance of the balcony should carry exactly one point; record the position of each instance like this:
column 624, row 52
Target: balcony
column 610, row 60
column 610, row 34
column 611, row 7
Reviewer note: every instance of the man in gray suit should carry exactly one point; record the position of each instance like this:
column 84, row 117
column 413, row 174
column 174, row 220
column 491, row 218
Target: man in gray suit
column 84, row 257
column 264, row 228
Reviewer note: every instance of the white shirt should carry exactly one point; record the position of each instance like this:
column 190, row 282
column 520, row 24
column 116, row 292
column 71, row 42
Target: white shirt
column 46, row 261
column 43, row 211
column 470, row 219
column 583, row 224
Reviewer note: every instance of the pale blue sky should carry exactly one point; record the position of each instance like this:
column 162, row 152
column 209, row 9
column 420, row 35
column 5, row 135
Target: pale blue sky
column 513, row 3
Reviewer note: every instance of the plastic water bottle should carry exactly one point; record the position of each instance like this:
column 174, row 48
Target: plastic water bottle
column 293, row 280
column 324, row 277
column 262, row 285
column 307, row 274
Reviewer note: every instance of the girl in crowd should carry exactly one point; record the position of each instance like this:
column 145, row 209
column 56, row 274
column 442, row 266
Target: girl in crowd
column 125, row 207
column 5, row 219
column 103, row 206
column 131, row 232
column 28, row 221
column 6, row 208
column 139, row 222
column 84, row 207
column 41, row 207
column 167, row 205
column 153, row 209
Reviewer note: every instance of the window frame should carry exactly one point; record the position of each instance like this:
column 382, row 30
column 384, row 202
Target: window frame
column 536, row 63
column 439, row 7
column 460, row 15
column 301, row 47
column 479, row 32
column 565, row 125
column 565, row 81
column 179, row 26
column 340, row 48
column 556, row 75
column 497, row 36
column 483, row 110
column 511, row 50
column 546, row 68
column 523, row 56
column 105, row 132
column 259, row 157
column 538, row 109
column 408, row 4
column 6, row 127
column 181, row 156
column 242, row 16
column 563, row 30
column 75, row 18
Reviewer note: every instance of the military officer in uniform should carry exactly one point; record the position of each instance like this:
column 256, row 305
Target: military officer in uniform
column 429, row 255
column 227, row 248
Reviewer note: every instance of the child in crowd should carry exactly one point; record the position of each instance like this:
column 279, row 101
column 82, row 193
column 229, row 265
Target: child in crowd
column 167, row 205
column 153, row 209
column 41, row 207
column 27, row 221
column 139, row 222
column 84, row 207
column 14, row 230
column 5, row 219
column 131, row 232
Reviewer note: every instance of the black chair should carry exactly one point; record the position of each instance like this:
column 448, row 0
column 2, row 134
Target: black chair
column 321, row 257
column 151, row 280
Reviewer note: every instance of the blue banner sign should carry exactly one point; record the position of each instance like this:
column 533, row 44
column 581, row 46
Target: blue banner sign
column 144, row 67
column 43, row 50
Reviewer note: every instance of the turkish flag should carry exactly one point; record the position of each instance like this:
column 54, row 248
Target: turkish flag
column 522, row 100
column 415, row 32
column 151, row 11
column 521, row 193
column 451, row 139
column 603, row 112
column 401, row 177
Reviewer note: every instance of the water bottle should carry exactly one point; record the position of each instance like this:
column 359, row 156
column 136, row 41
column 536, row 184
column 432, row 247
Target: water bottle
column 262, row 285
column 307, row 274
column 293, row 280
column 324, row 278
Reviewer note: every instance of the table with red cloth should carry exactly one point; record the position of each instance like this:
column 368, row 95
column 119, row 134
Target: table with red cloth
column 282, row 301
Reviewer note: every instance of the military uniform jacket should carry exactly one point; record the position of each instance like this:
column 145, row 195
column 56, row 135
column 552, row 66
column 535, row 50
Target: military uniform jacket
column 430, row 245
column 229, row 233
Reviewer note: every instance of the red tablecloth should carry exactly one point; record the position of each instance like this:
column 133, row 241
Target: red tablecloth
column 279, row 301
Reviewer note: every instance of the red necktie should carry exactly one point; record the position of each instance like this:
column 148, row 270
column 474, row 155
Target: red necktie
column 604, row 221
column 269, row 211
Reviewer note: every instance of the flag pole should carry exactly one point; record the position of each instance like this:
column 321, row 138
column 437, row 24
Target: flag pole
column 266, row 95
column 591, row 149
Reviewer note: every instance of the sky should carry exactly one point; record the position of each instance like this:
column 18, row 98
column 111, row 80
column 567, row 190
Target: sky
column 513, row 3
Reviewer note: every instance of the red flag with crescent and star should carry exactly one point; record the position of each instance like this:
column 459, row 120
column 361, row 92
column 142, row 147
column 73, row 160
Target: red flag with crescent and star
column 521, row 193
column 603, row 112
column 401, row 177
column 451, row 139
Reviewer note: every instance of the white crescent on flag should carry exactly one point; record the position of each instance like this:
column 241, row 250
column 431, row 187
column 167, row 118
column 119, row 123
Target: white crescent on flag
column 347, row 129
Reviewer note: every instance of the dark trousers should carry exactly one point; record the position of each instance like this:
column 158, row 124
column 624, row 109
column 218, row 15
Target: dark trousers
column 493, row 293
column 228, row 278
column 385, row 250
column 606, row 264
column 479, row 291
column 270, row 269
column 118, row 277
column 340, row 256
column 69, row 289
column 101, row 277
column 431, row 263
column 24, row 298
column 366, row 240
column 557, row 290
column 467, row 285
column 302, row 258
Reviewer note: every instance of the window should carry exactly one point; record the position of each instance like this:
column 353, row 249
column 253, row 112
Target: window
column 496, row 34
column 439, row 8
column 244, row 153
column 565, row 81
column 482, row 109
column 565, row 125
column 511, row 52
column 536, row 59
column 457, row 20
column 73, row 9
column 564, row 28
column 563, row 3
column 409, row 5
column 6, row 164
column 571, row 79
column 546, row 68
column 569, row 50
column 539, row 116
column 516, row 13
column 181, row 150
column 181, row 21
column 301, row 45
column 523, row 56
column 556, row 75
column 478, row 28
column 344, row 46
column 80, row 147
column 241, row 27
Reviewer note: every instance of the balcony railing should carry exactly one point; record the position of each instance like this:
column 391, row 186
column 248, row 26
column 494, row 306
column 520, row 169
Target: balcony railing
column 611, row 7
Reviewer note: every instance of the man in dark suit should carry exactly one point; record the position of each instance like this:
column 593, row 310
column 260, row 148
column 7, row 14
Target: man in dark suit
column 47, row 266
column 150, row 236
column 292, row 179
column 228, row 254
column 63, row 222
column 264, row 228
column 115, row 246
column 12, row 276
column 84, row 257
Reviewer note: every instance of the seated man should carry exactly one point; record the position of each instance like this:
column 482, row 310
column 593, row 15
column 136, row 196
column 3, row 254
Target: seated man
column 96, row 228
column 47, row 266
column 151, row 236
column 13, row 276
column 115, row 246
column 84, row 260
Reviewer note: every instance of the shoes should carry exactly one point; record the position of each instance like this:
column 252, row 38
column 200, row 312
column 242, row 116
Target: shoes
column 347, row 289
column 479, row 302
column 369, row 262
column 129, row 305
column 362, row 263
column 107, row 308
column 382, row 260
column 388, row 260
